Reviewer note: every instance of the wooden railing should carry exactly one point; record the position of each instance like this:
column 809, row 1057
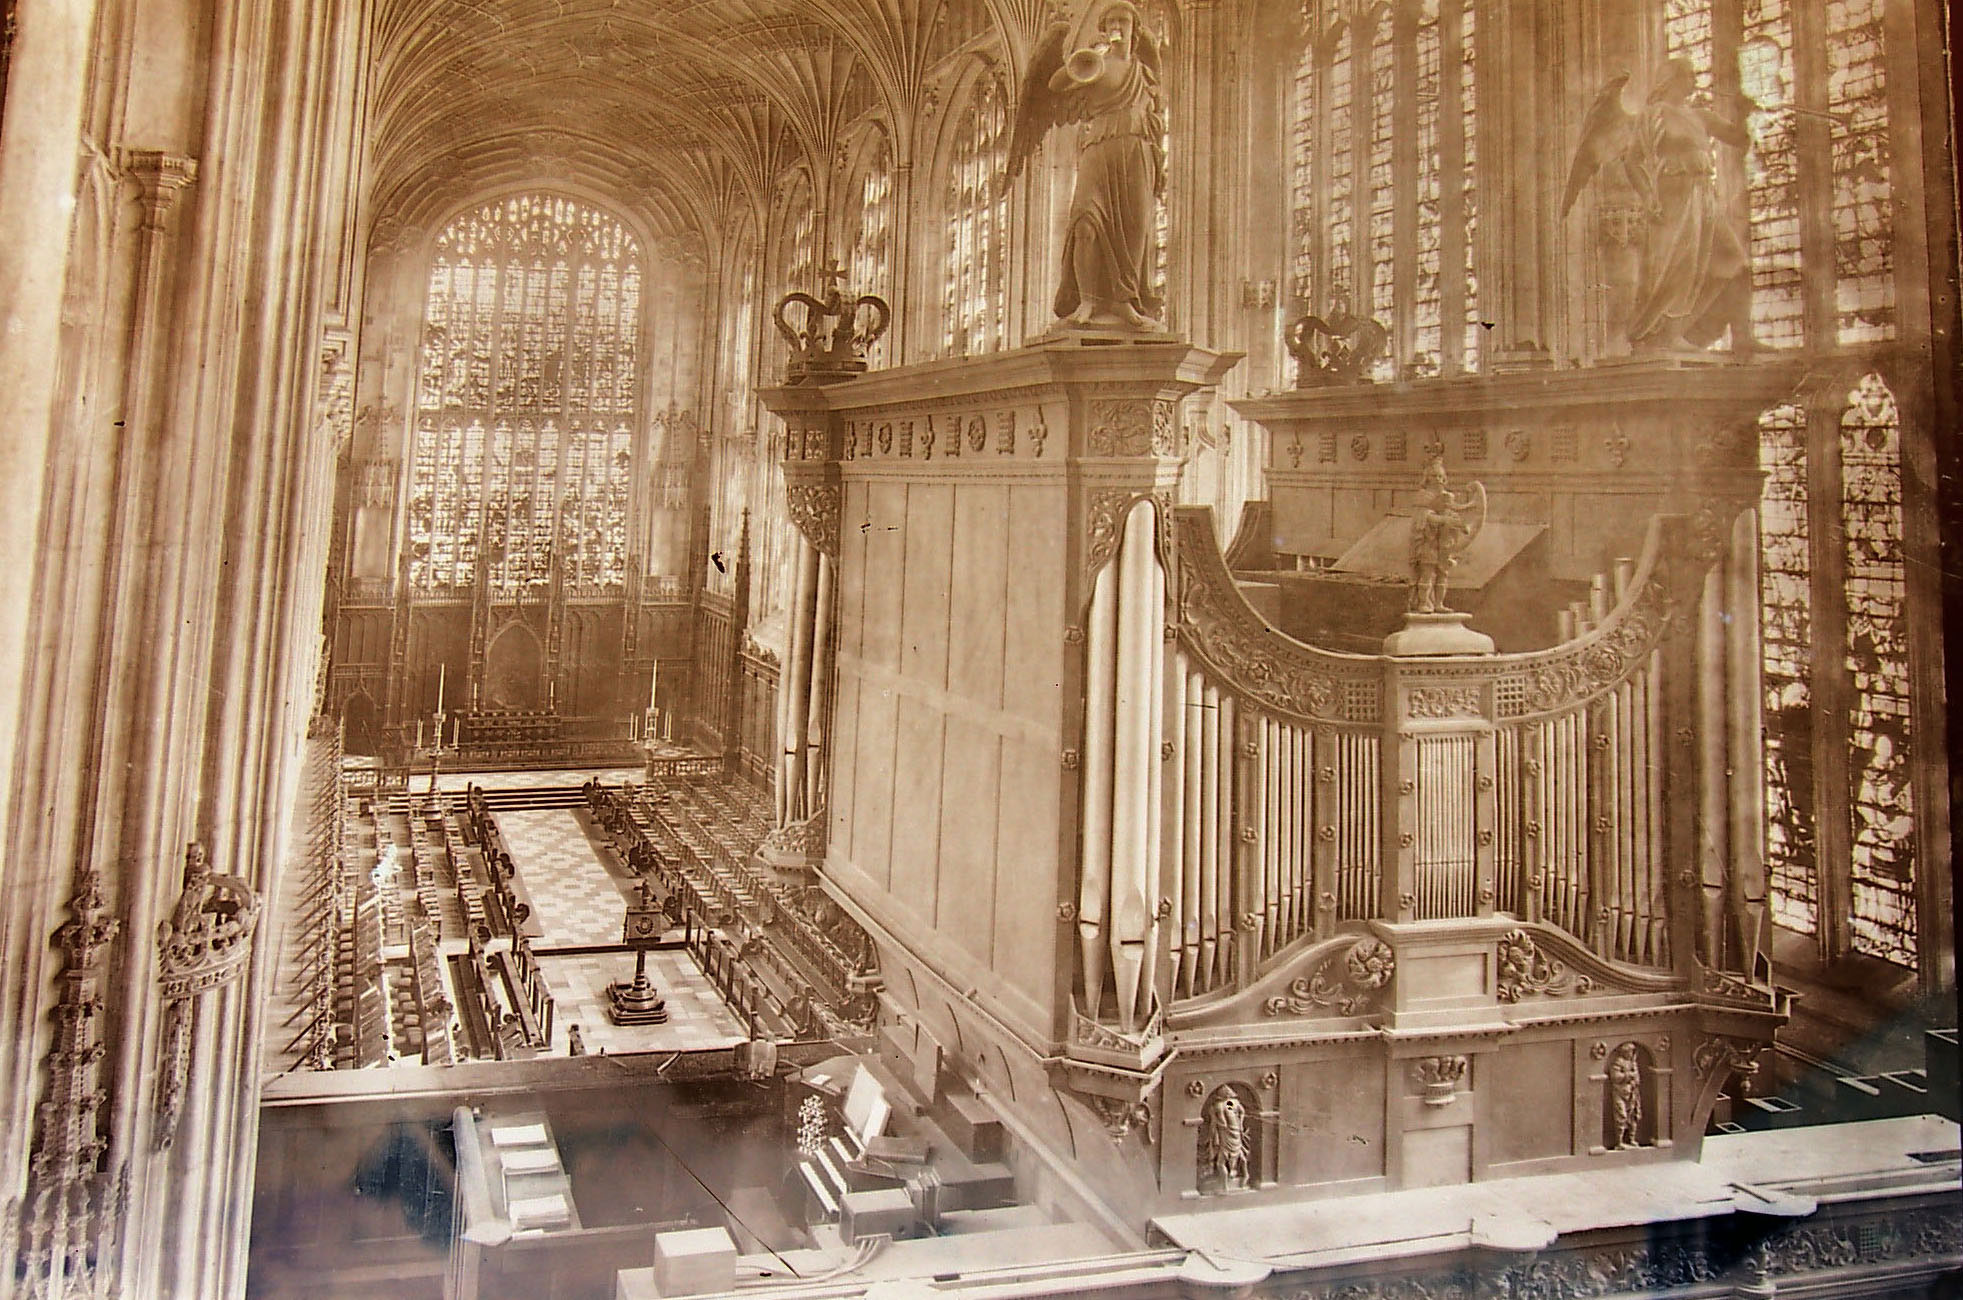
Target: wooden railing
column 1307, row 788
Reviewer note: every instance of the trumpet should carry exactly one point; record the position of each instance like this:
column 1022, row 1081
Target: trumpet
column 1087, row 65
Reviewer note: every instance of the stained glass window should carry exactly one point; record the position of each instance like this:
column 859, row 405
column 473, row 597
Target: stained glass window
column 872, row 247
column 1877, row 658
column 1377, row 297
column 1785, row 644
column 1857, row 105
column 1847, row 153
column 975, row 308
column 1427, row 320
column 528, row 399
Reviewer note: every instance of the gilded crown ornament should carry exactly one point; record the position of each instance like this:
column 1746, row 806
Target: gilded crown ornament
column 839, row 328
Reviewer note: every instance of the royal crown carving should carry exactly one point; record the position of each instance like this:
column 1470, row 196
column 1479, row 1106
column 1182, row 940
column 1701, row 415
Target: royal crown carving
column 208, row 937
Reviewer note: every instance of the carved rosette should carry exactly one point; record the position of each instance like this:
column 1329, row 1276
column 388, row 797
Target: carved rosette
column 1350, row 983
column 1524, row 970
column 814, row 509
column 203, row 946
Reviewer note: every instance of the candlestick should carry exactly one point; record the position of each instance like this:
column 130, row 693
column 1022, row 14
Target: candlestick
column 419, row 733
column 442, row 671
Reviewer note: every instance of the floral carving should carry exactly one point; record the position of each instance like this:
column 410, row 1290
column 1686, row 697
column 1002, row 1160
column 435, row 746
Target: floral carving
column 1349, row 982
column 1444, row 702
column 814, row 509
column 1120, row 427
column 1524, row 970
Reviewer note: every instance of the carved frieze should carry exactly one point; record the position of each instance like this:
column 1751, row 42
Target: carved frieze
column 1526, row 971
column 1350, row 983
column 814, row 508
column 1439, row 702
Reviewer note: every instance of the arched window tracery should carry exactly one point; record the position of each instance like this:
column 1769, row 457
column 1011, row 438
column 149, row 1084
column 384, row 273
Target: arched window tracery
column 528, row 399
column 870, row 265
column 975, row 306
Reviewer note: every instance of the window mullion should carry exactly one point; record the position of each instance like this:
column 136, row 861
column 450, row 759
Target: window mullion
column 1813, row 150
column 1451, row 193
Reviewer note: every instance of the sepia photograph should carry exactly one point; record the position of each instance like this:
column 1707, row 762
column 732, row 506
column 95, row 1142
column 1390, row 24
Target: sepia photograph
column 979, row 650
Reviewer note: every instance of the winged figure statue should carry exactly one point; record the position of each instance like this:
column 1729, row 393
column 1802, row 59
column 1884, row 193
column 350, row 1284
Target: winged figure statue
column 1693, row 273
column 1102, row 72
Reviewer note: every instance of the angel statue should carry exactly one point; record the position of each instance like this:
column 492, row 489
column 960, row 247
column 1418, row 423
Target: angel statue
column 1693, row 273
column 1104, row 73
column 1440, row 534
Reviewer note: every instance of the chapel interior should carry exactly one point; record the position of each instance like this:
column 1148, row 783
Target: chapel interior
column 909, row 648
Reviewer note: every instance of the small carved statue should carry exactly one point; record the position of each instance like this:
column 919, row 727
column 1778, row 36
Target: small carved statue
column 1625, row 1073
column 1693, row 269
column 1440, row 534
column 1338, row 348
column 1103, row 72
column 575, row 1041
column 1225, row 1144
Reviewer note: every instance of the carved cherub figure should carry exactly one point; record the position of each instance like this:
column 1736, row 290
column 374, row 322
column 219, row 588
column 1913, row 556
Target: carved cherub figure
column 1224, row 1143
column 1440, row 534
column 1625, row 1073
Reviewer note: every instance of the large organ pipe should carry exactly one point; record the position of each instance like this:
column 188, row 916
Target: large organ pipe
column 818, row 677
column 1210, row 831
column 1101, row 646
column 1135, row 760
column 1192, row 828
column 1658, row 883
column 1746, row 772
column 1273, row 829
column 1227, row 898
column 1152, row 624
column 1713, row 826
column 1174, row 827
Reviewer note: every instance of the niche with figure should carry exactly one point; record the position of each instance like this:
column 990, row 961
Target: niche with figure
column 1629, row 1098
column 1228, row 1154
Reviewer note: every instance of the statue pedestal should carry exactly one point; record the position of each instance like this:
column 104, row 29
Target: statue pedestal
column 638, row 1003
column 1442, row 633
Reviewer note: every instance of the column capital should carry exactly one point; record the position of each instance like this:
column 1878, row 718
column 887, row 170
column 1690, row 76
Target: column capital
column 159, row 176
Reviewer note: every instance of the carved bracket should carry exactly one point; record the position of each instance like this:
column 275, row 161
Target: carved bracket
column 203, row 946
column 814, row 509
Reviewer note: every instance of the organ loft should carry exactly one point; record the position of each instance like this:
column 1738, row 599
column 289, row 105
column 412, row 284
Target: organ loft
column 1276, row 648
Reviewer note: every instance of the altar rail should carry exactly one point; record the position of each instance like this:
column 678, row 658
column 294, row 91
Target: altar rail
column 1313, row 788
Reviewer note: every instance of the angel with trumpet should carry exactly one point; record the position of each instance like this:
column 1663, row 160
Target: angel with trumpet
column 1103, row 72
column 1693, row 276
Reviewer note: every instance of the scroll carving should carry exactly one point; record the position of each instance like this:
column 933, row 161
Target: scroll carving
column 1524, row 970
column 1217, row 624
column 1348, row 982
column 1133, row 427
column 814, row 509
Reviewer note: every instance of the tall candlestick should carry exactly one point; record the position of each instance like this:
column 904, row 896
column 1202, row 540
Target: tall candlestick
column 419, row 733
column 442, row 671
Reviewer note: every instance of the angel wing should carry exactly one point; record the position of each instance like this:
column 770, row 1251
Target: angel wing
column 1604, row 134
column 1039, row 108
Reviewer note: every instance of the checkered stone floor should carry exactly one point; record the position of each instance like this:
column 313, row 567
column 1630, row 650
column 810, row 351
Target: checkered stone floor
column 697, row 1018
column 576, row 900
